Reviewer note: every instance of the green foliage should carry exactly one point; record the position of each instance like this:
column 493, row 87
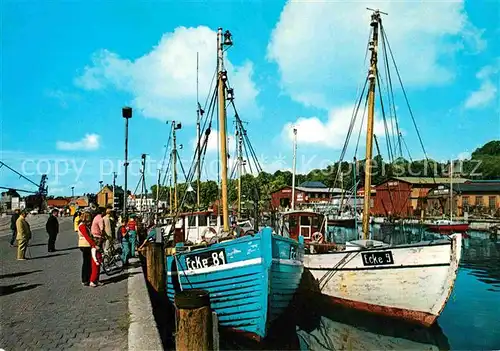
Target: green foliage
column 484, row 164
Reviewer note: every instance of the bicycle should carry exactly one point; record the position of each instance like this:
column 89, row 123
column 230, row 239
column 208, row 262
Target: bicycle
column 111, row 261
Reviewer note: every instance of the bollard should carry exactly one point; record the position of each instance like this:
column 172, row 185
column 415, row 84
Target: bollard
column 194, row 321
column 154, row 266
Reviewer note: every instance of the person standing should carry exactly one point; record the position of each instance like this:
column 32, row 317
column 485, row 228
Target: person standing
column 52, row 227
column 13, row 220
column 23, row 236
column 97, row 228
column 76, row 221
column 90, row 267
column 132, row 234
column 108, row 230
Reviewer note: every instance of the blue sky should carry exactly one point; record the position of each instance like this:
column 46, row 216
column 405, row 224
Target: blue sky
column 69, row 67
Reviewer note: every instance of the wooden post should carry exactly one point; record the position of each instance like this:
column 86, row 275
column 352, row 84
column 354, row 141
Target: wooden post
column 194, row 321
column 154, row 266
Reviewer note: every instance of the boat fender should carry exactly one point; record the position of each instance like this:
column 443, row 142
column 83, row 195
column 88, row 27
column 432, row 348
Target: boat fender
column 192, row 299
column 317, row 237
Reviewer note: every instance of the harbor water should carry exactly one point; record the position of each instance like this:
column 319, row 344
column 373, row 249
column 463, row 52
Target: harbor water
column 470, row 320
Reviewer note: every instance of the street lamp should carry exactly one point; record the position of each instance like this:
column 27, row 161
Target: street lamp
column 127, row 114
column 72, row 191
column 100, row 184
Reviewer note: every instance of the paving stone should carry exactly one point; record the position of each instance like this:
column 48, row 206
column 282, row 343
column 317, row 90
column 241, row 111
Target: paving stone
column 47, row 308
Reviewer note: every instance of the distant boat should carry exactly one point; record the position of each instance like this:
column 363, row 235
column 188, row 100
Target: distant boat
column 342, row 220
column 446, row 226
column 250, row 276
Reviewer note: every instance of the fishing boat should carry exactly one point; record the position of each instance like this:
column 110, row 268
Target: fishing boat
column 346, row 220
column 446, row 226
column 412, row 282
column 250, row 277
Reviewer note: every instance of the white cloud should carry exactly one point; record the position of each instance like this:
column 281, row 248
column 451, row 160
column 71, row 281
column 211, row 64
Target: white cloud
column 319, row 46
column 61, row 96
column 330, row 133
column 163, row 81
column 487, row 90
column 88, row 142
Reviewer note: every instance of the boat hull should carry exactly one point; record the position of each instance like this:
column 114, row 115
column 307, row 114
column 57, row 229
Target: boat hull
column 252, row 288
column 448, row 228
column 346, row 223
column 414, row 286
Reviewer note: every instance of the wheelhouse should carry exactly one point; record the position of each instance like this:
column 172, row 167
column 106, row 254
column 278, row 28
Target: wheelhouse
column 305, row 223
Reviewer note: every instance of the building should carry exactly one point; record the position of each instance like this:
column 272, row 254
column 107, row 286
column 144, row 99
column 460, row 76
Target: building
column 405, row 196
column 10, row 200
column 105, row 197
column 305, row 194
column 59, row 202
column 477, row 197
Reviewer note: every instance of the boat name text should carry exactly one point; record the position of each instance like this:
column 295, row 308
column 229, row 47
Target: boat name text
column 377, row 258
column 206, row 259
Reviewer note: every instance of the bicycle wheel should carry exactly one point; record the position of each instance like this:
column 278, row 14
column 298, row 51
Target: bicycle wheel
column 112, row 264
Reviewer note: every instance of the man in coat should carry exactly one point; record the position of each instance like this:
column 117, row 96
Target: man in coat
column 23, row 235
column 52, row 228
column 13, row 220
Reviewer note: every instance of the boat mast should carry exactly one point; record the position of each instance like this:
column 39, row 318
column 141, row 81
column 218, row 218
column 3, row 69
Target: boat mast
column 372, row 74
column 240, row 164
column 198, row 154
column 221, row 86
column 174, row 164
column 294, row 165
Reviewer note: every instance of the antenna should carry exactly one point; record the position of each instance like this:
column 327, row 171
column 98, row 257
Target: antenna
column 377, row 11
column 197, row 74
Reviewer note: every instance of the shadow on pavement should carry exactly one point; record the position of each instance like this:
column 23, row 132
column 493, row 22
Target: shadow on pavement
column 46, row 256
column 40, row 244
column 13, row 275
column 68, row 249
column 117, row 278
column 14, row 288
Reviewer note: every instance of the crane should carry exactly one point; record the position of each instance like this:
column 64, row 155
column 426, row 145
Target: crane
column 37, row 199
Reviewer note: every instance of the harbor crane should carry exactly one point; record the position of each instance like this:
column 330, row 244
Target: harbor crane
column 38, row 197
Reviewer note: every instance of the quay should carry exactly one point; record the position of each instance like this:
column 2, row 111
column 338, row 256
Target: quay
column 44, row 306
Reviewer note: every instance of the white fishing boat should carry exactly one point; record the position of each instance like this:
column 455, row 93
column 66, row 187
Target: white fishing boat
column 411, row 282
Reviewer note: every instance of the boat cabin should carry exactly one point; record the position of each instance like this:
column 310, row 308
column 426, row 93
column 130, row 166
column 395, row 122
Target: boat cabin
column 305, row 223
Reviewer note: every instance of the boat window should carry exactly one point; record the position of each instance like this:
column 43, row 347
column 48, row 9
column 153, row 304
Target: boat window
column 315, row 222
column 213, row 221
column 191, row 221
column 292, row 220
column 305, row 220
column 202, row 220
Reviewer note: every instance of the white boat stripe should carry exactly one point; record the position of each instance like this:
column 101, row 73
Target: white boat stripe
column 223, row 267
column 288, row 262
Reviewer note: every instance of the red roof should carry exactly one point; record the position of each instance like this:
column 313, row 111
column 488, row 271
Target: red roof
column 57, row 202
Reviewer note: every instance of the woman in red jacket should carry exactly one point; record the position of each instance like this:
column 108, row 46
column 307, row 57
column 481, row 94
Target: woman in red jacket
column 84, row 232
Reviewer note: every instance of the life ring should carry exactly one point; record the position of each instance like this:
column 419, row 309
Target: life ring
column 207, row 231
column 317, row 237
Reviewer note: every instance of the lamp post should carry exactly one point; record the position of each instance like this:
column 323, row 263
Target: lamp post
column 127, row 114
column 100, row 185
column 72, row 191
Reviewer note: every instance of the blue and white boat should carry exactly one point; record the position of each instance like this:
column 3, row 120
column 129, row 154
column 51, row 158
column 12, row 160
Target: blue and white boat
column 251, row 279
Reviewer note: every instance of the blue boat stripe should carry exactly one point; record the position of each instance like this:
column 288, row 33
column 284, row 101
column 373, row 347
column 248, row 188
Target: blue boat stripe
column 288, row 262
column 251, row 262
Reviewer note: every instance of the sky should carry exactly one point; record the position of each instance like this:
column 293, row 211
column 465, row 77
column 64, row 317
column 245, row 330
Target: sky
column 68, row 67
